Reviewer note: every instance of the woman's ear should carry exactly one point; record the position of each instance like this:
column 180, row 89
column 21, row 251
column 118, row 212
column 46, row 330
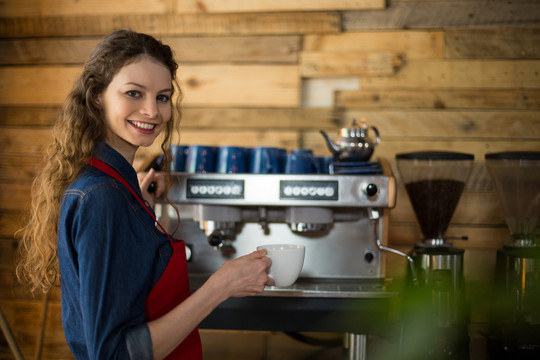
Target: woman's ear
column 97, row 100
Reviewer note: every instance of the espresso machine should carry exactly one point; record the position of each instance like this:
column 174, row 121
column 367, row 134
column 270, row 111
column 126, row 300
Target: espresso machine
column 434, row 306
column 515, row 320
column 340, row 216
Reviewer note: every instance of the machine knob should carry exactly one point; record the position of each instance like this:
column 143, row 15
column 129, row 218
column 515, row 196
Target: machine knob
column 369, row 256
column 189, row 252
column 371, row 189
column 215, row 238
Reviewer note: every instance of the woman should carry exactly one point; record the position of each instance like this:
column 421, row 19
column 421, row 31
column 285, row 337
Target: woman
column 123, row 280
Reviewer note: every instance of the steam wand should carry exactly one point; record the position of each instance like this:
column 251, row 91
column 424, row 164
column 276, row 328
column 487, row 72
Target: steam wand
column 374, row 216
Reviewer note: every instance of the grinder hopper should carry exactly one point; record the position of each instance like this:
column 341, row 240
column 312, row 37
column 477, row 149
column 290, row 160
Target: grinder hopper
column 434, row 181
column 516, row 179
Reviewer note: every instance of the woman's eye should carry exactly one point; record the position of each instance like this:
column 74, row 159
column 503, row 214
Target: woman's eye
column 133, row 93
column 163, row 98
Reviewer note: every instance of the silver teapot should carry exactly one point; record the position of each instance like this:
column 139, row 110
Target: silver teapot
column 354, row 144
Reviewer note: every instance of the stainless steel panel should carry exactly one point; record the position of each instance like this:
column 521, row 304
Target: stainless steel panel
column 339, row 253
column 265, row 190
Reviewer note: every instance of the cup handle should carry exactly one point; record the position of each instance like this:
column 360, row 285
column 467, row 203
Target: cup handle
column 378, row 139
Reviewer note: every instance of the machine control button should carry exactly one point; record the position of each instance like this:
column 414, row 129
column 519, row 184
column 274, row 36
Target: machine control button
column 308, row 190
column 214, row 189
column 371, row 189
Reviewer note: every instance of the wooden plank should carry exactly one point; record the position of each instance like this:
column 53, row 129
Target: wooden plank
column 257, row 118
column 236, row 6
column 24, row 318
column 239, row 49
column 19, row 8
column 14, row 196
column 12, row 289
column 31, row 144
column 401, row 125
column 479, row 179
column 476, row 147
column 320, row 92
column 445, row 14
column 460, row 74
column 10, row 222
column 13, row 8
column 9, row 287
column 18, row 84
column 415, row 44
column 24, row 141
column 189, row 24
column 214, row 85
column 8, row 249
column 34, row 116
column 46, row 51
column 496, row 43
column 468, row 212
column 18, row 167
column 282, row 49
column 192, row 117
column 390, row 146
column 482, row 99
column 240, row 85
column 321, row 64
column 474, row 208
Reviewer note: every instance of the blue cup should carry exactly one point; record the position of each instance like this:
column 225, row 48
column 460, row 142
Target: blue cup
column 325, row 162
column 179, row 156
column 301, row 161
column 232, row 159
column 201, row 159
column 266, row 160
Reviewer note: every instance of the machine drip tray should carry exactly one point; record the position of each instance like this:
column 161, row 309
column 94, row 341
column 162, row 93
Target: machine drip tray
column 312, row 305
column 321, row 288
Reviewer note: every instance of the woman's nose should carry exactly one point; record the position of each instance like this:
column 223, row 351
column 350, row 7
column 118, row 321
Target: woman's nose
column 150, row 109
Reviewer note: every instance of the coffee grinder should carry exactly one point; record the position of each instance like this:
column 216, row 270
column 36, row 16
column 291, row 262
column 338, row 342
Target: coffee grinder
column 435, row 314
column 515, row 320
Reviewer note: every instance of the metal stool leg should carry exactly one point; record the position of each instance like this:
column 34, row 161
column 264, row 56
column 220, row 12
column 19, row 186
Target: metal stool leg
column 356, row 346
column 41, row 335
column 9, row 337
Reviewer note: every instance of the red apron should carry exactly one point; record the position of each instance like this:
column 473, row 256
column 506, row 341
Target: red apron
column 172, row 287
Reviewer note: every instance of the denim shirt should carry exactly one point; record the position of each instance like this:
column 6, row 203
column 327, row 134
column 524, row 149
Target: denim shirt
column 110, row 255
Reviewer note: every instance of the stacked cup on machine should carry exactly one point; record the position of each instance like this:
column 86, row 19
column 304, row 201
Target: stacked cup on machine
column 257, row 160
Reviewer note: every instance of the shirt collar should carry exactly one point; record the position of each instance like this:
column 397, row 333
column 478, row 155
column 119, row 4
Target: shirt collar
column 113, row 158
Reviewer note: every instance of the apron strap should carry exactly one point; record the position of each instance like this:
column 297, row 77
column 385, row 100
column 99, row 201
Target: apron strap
column 106, row 168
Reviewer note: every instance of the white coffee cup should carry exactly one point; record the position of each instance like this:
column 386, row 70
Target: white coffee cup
column 287, row 262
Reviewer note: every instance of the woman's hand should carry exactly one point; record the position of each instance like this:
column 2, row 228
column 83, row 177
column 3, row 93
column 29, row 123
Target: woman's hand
column 243, row 276
column 147, row 178
column 246, row 275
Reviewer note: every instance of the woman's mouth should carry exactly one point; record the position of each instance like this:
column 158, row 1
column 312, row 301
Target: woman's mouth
column 143, row 126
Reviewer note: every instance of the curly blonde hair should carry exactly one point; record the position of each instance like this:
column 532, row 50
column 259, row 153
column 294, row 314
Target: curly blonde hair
column 78, row 128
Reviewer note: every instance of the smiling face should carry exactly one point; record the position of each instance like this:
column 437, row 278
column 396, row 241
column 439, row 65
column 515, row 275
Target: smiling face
column 137, row 105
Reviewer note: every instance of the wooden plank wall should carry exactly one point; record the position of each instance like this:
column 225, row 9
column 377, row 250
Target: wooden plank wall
column 452, row 75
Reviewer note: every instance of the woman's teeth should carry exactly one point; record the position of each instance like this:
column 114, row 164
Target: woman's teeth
column 142, row 125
